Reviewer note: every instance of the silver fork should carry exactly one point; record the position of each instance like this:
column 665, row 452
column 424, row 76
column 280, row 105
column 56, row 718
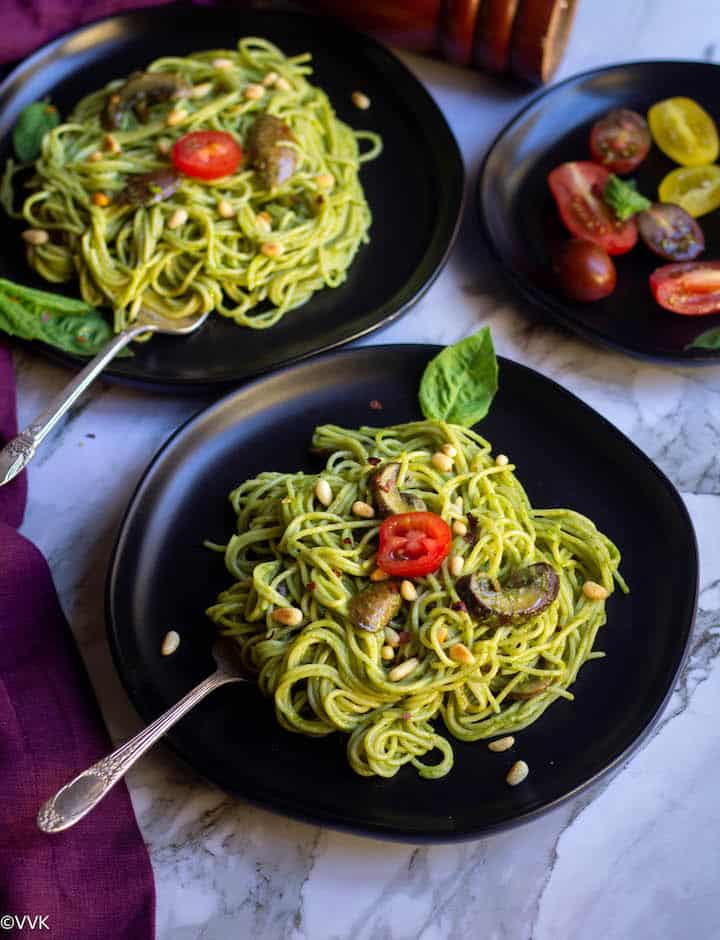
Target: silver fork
column 18, row 452
column 84, row 792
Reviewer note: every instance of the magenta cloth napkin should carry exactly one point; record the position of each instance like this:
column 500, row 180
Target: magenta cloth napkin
column 93, row 882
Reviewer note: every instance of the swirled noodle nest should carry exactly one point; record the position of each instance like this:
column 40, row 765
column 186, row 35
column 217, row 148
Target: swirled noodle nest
column 327, row 675
column 128, row 257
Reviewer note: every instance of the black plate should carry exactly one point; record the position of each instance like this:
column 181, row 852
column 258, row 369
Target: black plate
column 522, row 224
column 161, row 577
column 414, row 188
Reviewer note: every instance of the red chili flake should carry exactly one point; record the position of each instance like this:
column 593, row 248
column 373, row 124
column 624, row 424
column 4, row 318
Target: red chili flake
column 45, row 317
column 81, row 339
column 403, row 636
column 407, row 716
column 374, row 461
column 347, row 541
column 311, row 585
column 459, row 605
column 337, row 572
column 376, row 405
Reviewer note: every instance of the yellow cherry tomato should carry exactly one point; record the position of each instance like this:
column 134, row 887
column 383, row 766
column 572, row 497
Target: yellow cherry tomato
column 696, row 189
column 684, row 131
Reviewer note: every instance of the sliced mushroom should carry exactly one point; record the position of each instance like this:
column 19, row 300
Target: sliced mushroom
column 139, row 91
column 525, row 594
column 388, row 499
column 274, row 162
column 375, row 606
column 149, row 188
column 531, row 687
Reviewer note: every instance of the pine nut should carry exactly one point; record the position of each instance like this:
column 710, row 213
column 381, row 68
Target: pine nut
column 441, row 634
column 517, row 773
column 163, row 146
column 199, row 91
column 364, row 510
column 407, row 591
column 325, row 180
column 170, row 643
column 263, row 221
column 282, row 84
column 456, row 565
column 595, row 591
column 449, row 450
column 271, row 249
column 35, row 236
column 225, row 209
column 323, row 492
column 174, row 117
column 441, row 462
column 379, row 575
column 502, row 460
column 392, row 636
column 100, row 199
column 360, row 100
column 111, row 144
column 403, row 670
column 387, row 652
column 270, row 79
column 459, row 528
column 178, row 218
column 222, row 64
column 502, row 744
column 254, row 92
column 459, row 653
column 288, row 616
column 95, row 156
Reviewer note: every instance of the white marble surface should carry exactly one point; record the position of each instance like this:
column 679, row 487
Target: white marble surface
column 637, row 857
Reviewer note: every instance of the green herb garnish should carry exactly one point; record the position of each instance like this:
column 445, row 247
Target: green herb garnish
column 710, row 339
column 32, row 124
column 63, row 322
column 623, row 198
column 459, row 384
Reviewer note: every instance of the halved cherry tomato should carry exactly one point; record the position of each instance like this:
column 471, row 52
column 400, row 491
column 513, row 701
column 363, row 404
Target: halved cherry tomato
column 691, row 288
column 696, row 189
column 207, row 155
column 620, row 141
column 578, row 188
column 684, row 131
column 413, row 544
column 670, row 232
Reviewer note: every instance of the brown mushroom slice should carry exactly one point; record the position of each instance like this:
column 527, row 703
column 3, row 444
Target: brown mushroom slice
column 525, row 594
column 375, row 606
column 388, row 499
column 274, row 162
column 139, row 91
column 149, row 188
column 531, row 687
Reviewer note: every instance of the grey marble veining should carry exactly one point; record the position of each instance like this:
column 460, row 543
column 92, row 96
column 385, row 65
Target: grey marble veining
column 636, row 856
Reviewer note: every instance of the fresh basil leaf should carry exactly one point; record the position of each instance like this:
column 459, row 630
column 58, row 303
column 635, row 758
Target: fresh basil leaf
column 32, row 124
column 710, row 339
column 63, row 322
column 459, row 384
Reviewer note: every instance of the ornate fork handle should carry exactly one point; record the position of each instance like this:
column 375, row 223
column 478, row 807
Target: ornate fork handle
column 18, row 452
column 80, row 795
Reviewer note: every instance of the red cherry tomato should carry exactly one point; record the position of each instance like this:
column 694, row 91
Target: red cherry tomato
column 620, row 141
column 578, row 188
column 413, row 544
column 585, row 272
column 691, row 288
column 207, row 155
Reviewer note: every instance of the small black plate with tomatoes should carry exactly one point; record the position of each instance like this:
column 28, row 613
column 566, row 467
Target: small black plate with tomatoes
column 525, row 231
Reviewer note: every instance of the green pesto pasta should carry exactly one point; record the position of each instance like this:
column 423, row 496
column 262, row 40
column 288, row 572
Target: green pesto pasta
column 249, row 252
column 326, row 675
